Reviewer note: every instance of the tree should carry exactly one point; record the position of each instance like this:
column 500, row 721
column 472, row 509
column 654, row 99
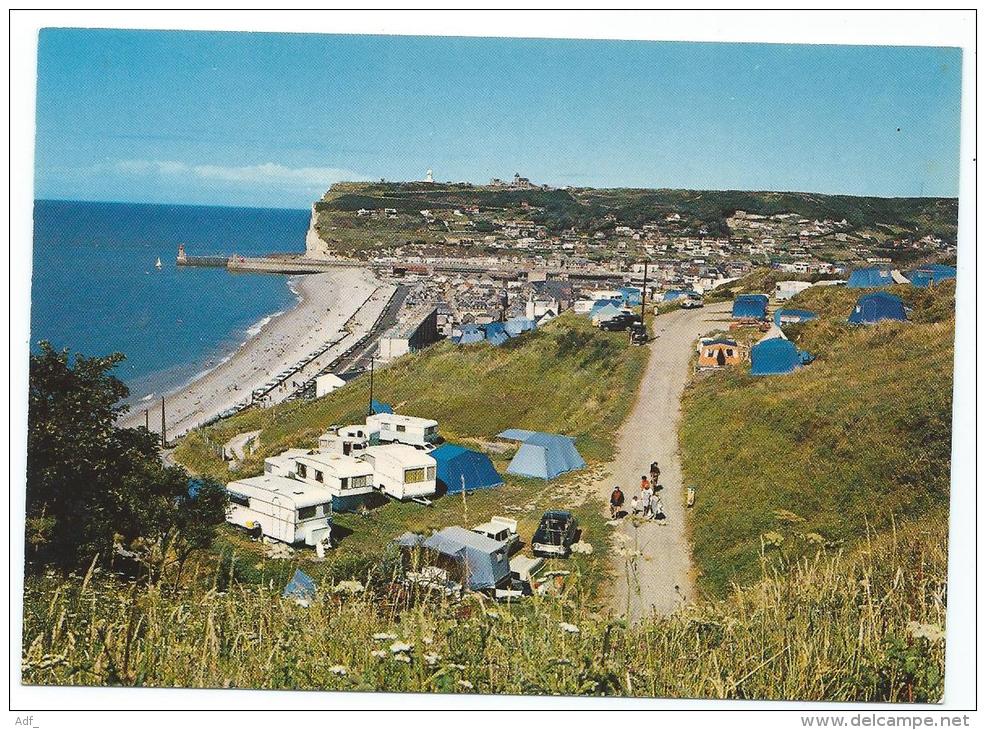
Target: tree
column 91, row 484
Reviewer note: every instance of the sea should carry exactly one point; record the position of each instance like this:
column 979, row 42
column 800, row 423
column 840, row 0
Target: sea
column 96, row 290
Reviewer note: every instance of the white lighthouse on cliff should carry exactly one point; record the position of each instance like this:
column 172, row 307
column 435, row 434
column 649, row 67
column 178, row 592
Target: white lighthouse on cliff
column 429, row 178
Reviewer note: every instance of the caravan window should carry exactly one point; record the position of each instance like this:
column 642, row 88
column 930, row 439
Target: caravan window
column 431, row 472
column 302, row 470
column 413, row 476
column 343, row 482
column 319, row 476
column 401, row 429
column 306, row 513
column 359, row 481
column 325, row 509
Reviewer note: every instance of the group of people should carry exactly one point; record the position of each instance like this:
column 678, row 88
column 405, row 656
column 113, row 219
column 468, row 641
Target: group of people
column 648, row 504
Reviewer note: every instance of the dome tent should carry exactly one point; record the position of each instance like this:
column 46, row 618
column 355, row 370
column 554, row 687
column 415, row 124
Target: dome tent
column 750, row 306
column 925, row 276
column 775, row 356
column 876, row 307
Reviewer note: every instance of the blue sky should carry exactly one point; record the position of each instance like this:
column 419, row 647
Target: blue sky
column 273, row 119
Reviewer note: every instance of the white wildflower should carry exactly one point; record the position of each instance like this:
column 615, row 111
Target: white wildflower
column 582, row 548
column 568, row 628
column 385, row 637
column 431, row 659
column 932, row 633
column 379, row 653
column 338, row 670
column 465, row 683
column 427, row 640
column 352, row 587
column 399, row 646
column 401, row 658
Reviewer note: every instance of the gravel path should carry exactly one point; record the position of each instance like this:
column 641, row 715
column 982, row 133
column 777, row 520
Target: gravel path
column 651, row 560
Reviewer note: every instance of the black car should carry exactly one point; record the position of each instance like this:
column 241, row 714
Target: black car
column 638, row 334
column 555, row 535
column 620, row 322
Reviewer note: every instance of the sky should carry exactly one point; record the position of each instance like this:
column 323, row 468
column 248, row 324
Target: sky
column 271, row 120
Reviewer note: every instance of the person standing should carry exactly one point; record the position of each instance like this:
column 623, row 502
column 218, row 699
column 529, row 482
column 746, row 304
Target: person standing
column 645, row 502
column 615, row 502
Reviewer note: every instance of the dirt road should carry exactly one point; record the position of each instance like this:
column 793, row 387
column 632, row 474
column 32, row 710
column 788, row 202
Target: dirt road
column 652, row 561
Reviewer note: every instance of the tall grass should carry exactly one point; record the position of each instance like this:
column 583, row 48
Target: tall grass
column 860, row 626
column 819, row 455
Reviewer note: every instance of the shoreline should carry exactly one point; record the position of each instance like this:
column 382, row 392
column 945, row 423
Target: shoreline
column 325, row 303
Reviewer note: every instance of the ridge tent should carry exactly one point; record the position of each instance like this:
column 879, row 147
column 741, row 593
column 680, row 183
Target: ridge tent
column 925, row 276
column 518, row 325
column 301, row 587
column 542, row 455
column 631, row 296
column 876, row 307
column 750, row 306
column 471, row 334
column 673, row 294
column 380, row 407
column 793, row 316
column 409, row 540
column 485, row 561
column 775, row 356
column 496, row 333
column 874, row 277
column 457, row 464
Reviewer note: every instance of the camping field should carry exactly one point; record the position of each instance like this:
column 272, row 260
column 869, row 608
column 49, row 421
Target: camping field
column 822, row 457
column 568, row 377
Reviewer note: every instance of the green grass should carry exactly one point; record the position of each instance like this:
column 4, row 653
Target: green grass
column 862, row 626
column 820, row 455
column 567, row 377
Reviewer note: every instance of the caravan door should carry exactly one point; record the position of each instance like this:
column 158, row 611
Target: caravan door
column 283, row 519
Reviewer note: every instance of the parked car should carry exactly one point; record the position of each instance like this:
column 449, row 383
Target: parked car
column 620, row 322
column 638, row 333
column 500, row 529
column 692, row 303
column 555, row 535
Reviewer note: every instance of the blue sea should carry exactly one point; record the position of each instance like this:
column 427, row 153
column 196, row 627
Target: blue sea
column 95, row 288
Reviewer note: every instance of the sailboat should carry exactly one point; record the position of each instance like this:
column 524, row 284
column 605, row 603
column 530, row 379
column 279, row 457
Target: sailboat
column 158, row 265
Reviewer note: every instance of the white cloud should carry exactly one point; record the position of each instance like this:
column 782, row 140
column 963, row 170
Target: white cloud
column 269, row 172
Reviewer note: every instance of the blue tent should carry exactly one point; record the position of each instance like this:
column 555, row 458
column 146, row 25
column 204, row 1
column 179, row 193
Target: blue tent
column 601, row 304
column 673, row 294
column 877, row 307
column 631, row 296
column 300, row 587
column 518, row 325
column 870, row 278
column 471, row 334
column 496, row 333
column 793, row 316
column 750, row 306
column 380, row 407
column 542, row 455
column 925, row 276
column 457, row 465
column 485, row 561
column 775, row 356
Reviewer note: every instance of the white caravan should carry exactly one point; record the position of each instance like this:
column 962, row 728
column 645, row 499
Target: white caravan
column 345, row 440
column 283, row 509
column 283, row 464
column 348, row 479
column 401, row 471
column 386, row 428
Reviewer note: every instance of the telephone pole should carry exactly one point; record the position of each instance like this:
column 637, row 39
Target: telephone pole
column 164, row 428
column 643, row 293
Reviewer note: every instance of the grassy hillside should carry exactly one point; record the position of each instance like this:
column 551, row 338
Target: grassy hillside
column 865, row 626
column 817, row 457
column 567, row 377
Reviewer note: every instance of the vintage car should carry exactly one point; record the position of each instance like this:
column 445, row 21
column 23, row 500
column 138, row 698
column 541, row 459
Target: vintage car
column 555, row 535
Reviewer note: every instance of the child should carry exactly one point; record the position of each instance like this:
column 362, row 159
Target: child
column 634, row 505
